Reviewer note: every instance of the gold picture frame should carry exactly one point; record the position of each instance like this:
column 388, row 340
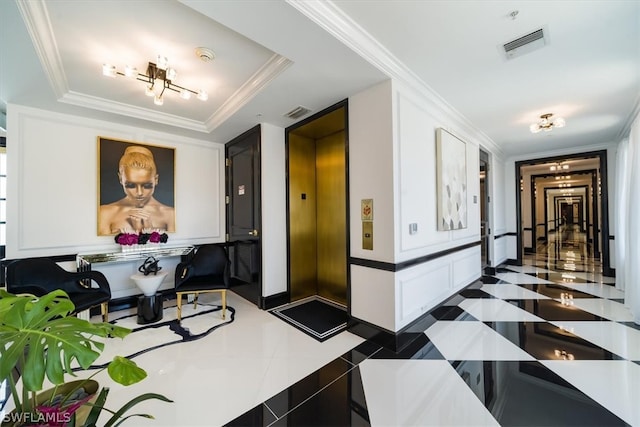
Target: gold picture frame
column 136, row 187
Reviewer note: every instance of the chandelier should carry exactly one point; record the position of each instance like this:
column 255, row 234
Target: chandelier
column 546, row 123
column 559, row 166
column 158, row 78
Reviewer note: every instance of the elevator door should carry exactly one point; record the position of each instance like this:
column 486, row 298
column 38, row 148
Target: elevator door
column 318, row 210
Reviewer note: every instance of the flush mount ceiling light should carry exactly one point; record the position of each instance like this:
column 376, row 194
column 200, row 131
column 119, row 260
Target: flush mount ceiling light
column 157, row 79
column 556, row 167
column 547, row 123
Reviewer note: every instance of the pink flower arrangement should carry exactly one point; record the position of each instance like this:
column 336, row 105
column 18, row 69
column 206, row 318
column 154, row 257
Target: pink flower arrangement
column 128, row 239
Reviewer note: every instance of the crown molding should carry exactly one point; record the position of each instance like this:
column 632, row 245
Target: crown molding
column 36, row 19
column 38, row 24
column 628, row 124
column 337, row 23
column 254, row 84
column 101, row 104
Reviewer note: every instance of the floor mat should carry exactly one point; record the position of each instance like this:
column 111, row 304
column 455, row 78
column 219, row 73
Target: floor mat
column 315, row 316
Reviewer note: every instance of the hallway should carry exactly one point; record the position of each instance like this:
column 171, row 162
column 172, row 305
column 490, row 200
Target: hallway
column 530, row 345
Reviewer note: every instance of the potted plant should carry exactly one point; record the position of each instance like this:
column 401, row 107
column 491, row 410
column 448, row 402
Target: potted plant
column 38, row 338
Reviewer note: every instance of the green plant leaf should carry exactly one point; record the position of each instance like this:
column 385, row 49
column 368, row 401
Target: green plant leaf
column 125, row 371
column 52, row 341
column 131, row 404
column 97, row 406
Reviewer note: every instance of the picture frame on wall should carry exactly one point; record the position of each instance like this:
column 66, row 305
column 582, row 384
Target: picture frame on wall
column 451, row 181
column 136, row 187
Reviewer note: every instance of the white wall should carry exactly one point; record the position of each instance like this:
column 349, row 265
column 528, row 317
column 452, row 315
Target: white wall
column 52, row 194
column 274, row 212
column 392, row 159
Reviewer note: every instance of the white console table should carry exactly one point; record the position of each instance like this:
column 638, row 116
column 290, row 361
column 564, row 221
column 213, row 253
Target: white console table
column 84, row 261
column 119, row 266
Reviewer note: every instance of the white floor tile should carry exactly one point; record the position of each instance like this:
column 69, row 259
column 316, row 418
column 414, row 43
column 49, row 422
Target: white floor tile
column 521, row 279
column 599, row 290
column 496, row 310
column 611, row 383
column 472, row 341
column 509, row 291
column 608, row 309
column 236, row 367
column 615, row 337
column 420, row 393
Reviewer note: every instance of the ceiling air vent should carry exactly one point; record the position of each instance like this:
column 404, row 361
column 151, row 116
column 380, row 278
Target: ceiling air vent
column 297, row 112
column 525, row 44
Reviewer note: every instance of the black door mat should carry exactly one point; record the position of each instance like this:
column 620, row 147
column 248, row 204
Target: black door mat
column 314, row 316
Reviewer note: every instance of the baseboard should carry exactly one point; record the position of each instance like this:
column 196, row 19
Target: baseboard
column 529, row 251
column 511, row 261
column 273, row 301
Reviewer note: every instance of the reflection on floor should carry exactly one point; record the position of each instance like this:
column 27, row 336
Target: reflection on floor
column 531, row 345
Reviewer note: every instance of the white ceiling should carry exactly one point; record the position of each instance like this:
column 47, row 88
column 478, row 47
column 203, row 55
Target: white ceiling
column 272, row 56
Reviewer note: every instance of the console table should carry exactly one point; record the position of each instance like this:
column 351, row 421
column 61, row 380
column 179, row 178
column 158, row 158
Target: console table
column 84, row 261
column 150, row 303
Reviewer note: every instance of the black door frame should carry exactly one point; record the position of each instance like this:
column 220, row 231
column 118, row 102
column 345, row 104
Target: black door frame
column 604, row 202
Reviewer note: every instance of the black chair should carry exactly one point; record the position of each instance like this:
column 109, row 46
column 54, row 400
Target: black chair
column 207, row 271
column 39, row 276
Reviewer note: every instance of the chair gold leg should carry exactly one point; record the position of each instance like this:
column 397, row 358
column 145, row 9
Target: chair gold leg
column 104, row 308
column 179, row 297
column 224, row 304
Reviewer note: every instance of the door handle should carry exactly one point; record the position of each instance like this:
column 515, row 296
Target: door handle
column 253, row 233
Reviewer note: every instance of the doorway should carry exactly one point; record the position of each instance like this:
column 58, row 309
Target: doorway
column 485, row 229
column 244, row 214
column 554, row 191
column 317, row 214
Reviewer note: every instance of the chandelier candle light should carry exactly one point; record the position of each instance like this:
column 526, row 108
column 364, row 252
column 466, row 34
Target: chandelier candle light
column 158, row 77
column 546, row 123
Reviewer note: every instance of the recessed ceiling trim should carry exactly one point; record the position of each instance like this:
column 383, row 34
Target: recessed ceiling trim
column 254, row 84
column 82, row 100
column 36, row 19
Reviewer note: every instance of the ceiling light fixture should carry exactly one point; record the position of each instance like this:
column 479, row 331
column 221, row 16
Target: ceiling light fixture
column 546, row 123
column 158, row 78
column 556, row 167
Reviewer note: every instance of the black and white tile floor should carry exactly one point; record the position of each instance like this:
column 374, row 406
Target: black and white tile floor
column 528, row 346
column 549, row 343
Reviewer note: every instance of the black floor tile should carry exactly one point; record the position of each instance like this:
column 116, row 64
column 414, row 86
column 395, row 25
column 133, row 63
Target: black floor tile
column 545, row 341
column 528, row 394
column 474, row 293
column 451, row 313
column 420, row 348
column 490, row 280
column 288, row 399
column 361, row 352
column 340, row 404
column 556, row 291
column 553, row 310
column 260, row 416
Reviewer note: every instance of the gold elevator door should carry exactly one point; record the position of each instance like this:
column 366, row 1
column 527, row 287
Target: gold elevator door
column 317, row 215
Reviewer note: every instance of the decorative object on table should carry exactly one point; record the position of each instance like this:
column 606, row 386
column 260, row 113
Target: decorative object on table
column 150, row 305
column 38, row 337
column 136, row 242
column 150, row 265
column 451, row 182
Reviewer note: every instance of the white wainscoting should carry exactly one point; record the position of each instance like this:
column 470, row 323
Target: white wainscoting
column 392, row 300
